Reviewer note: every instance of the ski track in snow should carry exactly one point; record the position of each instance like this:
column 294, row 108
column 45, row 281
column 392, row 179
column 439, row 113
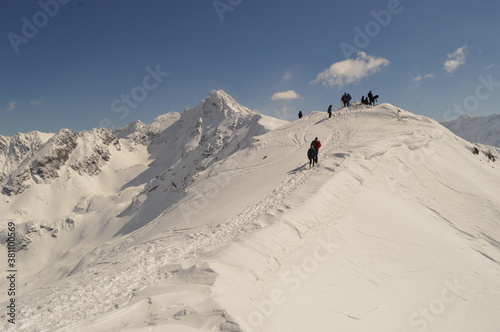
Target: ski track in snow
column 74, row 300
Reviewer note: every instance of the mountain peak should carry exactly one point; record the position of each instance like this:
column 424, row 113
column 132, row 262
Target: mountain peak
column 219, row 102
column 219, row 94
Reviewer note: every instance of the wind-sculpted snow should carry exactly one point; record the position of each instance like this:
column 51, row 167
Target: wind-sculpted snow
column 220, row 225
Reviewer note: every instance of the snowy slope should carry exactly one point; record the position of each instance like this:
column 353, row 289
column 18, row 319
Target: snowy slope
column 77, row 190
column 478, row 129
column 396, row 230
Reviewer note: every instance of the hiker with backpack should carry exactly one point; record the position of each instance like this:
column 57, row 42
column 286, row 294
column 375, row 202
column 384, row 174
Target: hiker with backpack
column 316, row 144
column 343, row 99
column 346, row 99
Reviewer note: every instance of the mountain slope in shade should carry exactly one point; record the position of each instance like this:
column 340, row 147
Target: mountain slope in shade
column 218, row 229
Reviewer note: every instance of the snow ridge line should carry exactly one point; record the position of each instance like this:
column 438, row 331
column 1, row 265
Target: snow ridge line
column 245, row 222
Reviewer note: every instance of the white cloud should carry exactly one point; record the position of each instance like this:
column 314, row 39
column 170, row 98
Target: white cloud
column 286, row 95
column 351, row 70
column 11, row 106
column 455, row 60
column 37, row 102
column 287, row 76
column 418, row 78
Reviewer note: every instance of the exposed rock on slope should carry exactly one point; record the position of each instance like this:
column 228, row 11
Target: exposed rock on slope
column 44, row 165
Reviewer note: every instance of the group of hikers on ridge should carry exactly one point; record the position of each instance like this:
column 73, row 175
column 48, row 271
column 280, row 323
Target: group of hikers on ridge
column 312, row 153
column 369, row 100
column 346, row 102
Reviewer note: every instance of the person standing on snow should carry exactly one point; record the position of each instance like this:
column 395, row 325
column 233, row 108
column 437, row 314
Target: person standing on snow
column 329, row 111
column 312, row 156
column 343, row 100
column 300, row 114
column 316, row 144
column 370, row 98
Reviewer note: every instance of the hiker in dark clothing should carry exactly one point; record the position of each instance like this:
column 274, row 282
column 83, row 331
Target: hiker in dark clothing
column 300, row 114
column 313, row 156
column 329, row 111
column 316, row 144
column 371, row 100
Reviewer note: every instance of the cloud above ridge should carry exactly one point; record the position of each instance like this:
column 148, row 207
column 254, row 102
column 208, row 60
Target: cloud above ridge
column 455, row 60
column 419, row 78
column 351, row 70
column 286, row 95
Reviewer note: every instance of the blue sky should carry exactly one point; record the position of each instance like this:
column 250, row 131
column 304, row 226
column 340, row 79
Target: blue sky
column 81, row 64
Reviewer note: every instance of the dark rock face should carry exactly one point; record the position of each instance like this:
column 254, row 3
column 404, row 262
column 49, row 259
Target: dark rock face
column 97, row 152
column 44, row 165
column 35, row 162
column 18, row 148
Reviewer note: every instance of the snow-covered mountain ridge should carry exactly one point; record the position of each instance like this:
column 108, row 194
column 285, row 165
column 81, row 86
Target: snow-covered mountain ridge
column 14, row 150
column 217, row 224
column 50, row 179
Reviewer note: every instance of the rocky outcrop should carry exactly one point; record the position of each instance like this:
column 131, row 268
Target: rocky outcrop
column 95, row 151
column 44, row 165
column 17, row 149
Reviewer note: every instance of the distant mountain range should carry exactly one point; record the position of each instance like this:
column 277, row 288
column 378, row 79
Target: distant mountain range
column 478, row 129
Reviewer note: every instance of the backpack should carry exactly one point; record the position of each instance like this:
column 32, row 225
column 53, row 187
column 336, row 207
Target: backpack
column 318, row 144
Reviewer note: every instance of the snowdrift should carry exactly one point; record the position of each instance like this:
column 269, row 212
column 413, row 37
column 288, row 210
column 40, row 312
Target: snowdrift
column 216, row 223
